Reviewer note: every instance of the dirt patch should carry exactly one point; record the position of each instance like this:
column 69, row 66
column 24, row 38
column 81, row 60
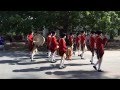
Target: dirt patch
column 23, row 46
column 113, row 45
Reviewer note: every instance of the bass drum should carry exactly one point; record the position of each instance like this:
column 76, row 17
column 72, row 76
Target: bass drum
column 39, row 40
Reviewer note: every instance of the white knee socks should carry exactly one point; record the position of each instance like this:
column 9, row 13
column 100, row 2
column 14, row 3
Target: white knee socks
column 53, row 56
column 62, row 62
column 99, row 65
column 32, row 55
column 92, row 59
column 82, row 54
column 49, row 53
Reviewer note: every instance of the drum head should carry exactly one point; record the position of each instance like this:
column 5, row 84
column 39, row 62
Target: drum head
column 40, row 40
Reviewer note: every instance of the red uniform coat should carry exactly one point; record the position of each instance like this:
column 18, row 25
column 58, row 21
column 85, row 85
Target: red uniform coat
column 96, row 40
column 30, row 41
column 83, row 38
column 99, row 46
column 54, row 44
column 30, row 38
column 92, row 42
column 48, row 42
column 77, row 41
column 62, row 46
column 71, row 39
column 105, row 41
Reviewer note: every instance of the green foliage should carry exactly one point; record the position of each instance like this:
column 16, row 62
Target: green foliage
column 23, row 21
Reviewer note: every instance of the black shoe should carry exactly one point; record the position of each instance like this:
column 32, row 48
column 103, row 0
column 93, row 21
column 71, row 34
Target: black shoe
column 95, row 67
column 80, row 55
column 82, row 58
column 99, row 70
column 64, row 66
column 31, row 59
column 92, row 63
column 61, row 67
column 74, row 53
column 54, row 61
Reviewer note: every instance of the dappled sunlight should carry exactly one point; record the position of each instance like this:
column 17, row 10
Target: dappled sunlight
column 79, row 74
column 18, row 63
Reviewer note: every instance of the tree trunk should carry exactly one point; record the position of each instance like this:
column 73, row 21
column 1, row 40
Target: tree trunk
column 118, row 32
column 111, row 35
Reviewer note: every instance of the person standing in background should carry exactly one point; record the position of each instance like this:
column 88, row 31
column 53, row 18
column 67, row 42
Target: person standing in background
column 2, row 42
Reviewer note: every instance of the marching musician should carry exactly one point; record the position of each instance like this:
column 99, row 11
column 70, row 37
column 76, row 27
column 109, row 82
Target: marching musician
column 99, row 51
column 83, row 42
column 38, row 40
column 71, row 40
column 48, row 43
column 78, row 43
column 53, row 46
column 30, row 40
column 62, row 50
column 69, row 48
column 92, row 45
column 105, row 40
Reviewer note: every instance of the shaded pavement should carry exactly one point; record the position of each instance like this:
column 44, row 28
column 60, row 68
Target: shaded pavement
column 17, row 65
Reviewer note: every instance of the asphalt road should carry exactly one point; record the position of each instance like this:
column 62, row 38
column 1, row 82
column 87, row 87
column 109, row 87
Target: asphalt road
column 17, row 65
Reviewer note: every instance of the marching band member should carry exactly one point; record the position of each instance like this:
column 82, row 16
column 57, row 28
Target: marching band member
column 78, row 43
column 30, row 40
column 30, row 43
column 69, row 49
column 105, row 40
column 48, row 43
column 83, row 41
column 71, row 43
column 99, row 51
column 92, row 45
column 38, row 40
column 62, row 50
column 53, row 47
column 71, row 40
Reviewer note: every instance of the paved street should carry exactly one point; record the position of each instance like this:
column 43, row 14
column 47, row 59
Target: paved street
column 17, row 65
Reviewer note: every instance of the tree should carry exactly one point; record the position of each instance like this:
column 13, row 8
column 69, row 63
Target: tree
column 66, row 21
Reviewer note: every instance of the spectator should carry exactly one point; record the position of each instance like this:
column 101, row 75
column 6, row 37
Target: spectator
column 2, row 43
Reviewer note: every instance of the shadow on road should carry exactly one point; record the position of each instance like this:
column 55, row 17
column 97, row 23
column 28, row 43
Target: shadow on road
column 76, row 64
column 28, row 63
column 81, row 74
column 52, row 66
column 22, row 62
column 34, row 69
column 11, row 62
column 13, row 54
column 21, row 54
